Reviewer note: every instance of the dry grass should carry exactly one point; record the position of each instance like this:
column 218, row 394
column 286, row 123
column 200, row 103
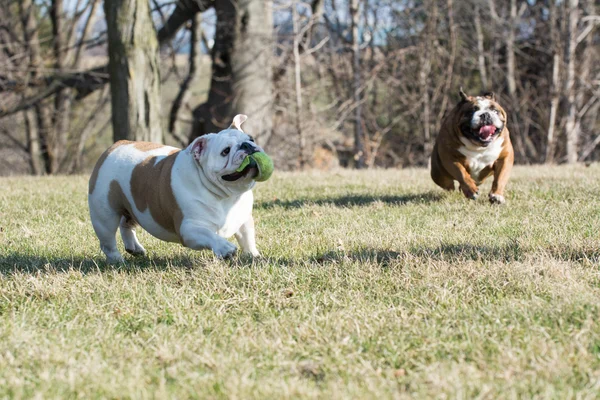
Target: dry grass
column 373, row 285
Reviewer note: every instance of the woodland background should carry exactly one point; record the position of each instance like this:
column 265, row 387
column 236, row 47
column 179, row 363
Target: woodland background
column 325, row 83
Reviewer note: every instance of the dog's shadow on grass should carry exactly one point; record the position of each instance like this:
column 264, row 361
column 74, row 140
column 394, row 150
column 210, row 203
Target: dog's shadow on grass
column 452, row 253
column 386, row 257
column 354, row 200
column 28, row 264
column 457, row 253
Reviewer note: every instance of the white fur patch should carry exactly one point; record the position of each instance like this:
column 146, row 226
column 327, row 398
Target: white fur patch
column 480, row 157
column 497, row 199
column 484, row 107
column 483, row 103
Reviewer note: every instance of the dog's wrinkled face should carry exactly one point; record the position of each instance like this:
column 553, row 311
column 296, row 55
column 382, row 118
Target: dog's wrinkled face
column 221, row 154
column 481, row 118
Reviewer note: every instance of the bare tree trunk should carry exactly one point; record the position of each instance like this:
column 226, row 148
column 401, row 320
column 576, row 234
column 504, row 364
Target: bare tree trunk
column 511, row 81
column 584, row 77
column 194, row 60
column 33, row 145
column 63, row 98
column 316, row 8
column 555, row 88
column 134, row 71
column 425, row 71
column 359, row 145
column 555, row 97
column 449, row 71
column 480, row 49
column 241, row 70
column 298, row 88
column 571, row 129
column 510, row 52
column 43, row 119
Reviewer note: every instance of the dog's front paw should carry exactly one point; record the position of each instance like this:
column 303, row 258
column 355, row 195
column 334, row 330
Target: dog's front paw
column 224, row 249
column 496, row 198
column 253, row 253
column 470, row 192
column 137, row 251
column 114, row 259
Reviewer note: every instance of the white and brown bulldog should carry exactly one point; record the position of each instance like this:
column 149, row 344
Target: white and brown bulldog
column 192, row 196
column 473, row 144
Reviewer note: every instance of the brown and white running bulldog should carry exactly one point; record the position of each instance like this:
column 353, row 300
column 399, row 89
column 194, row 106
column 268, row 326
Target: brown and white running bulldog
column 192, row 196
column 473, row 144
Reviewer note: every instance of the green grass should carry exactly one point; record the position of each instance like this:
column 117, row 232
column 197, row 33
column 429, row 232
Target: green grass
column 373, row 285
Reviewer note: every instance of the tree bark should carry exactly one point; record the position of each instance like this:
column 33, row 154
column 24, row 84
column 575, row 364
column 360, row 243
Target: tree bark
column 480, row 49
column 43, row 119
column 452, row 30
column 63, row 98
column 424, row 84
column 241, row 80
column 33, row 145
column 298, row 88
column 555, row 85
column 511, row 81
column 194, row 61
column 134, row 71
column 571, row 129
column 584, row 117
column 510, row 51
column 316, row 8
column 359, row 144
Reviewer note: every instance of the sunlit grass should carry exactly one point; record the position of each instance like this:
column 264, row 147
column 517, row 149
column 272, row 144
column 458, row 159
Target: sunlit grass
column 373, row 284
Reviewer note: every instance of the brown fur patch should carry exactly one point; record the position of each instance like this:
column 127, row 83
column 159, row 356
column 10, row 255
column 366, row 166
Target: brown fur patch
column 142, row 146
column 94, row 176
column 147, row 146
column 151, row 189
column 119, row 202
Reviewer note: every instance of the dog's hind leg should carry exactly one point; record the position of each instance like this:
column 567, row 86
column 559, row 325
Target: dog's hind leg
column 439, row 175
column 105, row 221
column 132, row 245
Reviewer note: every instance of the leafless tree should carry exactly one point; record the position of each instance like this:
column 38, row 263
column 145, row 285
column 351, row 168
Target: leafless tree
column 360, row 83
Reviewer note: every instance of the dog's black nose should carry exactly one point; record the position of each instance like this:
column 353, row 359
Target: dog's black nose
column 486, row 119
column 248, row 148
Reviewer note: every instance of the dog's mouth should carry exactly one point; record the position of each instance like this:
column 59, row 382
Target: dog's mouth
column 250, row 168
column 487, row 132
column 483, row 135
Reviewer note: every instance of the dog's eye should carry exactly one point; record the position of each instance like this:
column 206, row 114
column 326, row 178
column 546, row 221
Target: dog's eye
column 251, row 139
column 226, row 151
column 495, row 111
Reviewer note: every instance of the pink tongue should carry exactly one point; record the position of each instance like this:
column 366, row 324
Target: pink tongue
column 487, row 131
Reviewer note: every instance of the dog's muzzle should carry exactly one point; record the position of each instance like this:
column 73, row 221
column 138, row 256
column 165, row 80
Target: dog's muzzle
column 248, row 148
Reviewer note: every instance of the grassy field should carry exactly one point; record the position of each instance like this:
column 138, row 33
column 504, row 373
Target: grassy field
column 373, row 285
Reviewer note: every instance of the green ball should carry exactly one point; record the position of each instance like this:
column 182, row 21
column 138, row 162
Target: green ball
column 265, row 166
column 263, row 163
column 244, row 164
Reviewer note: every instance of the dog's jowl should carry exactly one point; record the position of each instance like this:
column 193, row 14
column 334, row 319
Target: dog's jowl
column 473, row 143
column 197, row 196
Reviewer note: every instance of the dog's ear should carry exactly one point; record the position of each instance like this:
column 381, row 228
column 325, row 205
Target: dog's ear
column 238, row 120
column 198, row 146
column 463, row 95
column 490, row 95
